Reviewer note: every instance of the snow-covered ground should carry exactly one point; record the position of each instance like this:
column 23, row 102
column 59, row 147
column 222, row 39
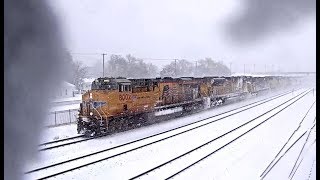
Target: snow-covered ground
column 62, row 104
column 59, row 132
column 245, row 158
column 77, row 97
column 65, row 107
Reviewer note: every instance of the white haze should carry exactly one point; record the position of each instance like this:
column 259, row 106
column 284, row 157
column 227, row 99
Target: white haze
column 183, row 29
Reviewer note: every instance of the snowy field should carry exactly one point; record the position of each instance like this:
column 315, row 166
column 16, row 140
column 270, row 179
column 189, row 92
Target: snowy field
column 77, row 97
column 65, row 107
column 220, row 141
column 62, row 104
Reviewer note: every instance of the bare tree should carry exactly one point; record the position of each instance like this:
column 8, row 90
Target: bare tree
column 129, row 67
column 178, row 69
column 79, row 72
column 117, row 66
column 205, row 67
column 208, row 67
column 153, row 71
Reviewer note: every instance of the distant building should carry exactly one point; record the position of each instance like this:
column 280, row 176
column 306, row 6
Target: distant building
column 65, row 90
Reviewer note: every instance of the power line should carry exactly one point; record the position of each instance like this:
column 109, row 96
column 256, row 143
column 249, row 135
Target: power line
column 86, row 53
column 158, row 59
column 86, row 58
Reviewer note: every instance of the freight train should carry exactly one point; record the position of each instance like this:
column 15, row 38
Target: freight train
column 115, row 104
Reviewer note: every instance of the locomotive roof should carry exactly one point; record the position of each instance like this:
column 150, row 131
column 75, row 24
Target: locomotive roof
column 112, row 79
column 125, row 80
column 186, row 78
column 122, row 80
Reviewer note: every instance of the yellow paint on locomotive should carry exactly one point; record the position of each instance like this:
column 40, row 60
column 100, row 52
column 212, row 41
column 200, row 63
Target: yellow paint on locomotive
column 169, row 93
column 180, row 91
column 273, row 83
column 144, row 99
column 205, row 89
column 113, row 98
column 119, row 103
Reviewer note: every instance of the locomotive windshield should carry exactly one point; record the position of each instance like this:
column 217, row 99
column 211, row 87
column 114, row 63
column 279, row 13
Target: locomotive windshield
column 103, row 84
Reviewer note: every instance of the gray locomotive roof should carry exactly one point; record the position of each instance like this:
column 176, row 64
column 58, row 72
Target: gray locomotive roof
column 186, row 78
column 122, row 80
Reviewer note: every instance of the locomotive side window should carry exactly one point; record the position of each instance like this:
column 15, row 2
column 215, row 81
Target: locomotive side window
column 123, row 88
column 127, row 88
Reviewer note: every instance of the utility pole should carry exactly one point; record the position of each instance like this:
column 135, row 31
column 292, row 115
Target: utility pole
column 254, row 68
column 265, row 68
column 175, row 67
column 230, row 68
column 244, row 69
column 196, row 73
column 103, row 64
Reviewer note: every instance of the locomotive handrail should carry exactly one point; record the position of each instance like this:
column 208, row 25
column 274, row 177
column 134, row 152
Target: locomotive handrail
column 97, row 112
column 104, row 113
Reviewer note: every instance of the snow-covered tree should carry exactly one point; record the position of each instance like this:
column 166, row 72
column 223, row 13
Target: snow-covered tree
column 79, row 72
column 178, row 69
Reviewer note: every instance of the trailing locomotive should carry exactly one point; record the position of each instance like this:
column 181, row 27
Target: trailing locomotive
column 119, row 103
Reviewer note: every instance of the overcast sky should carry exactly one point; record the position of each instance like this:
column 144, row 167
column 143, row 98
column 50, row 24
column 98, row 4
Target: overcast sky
column 189, row 29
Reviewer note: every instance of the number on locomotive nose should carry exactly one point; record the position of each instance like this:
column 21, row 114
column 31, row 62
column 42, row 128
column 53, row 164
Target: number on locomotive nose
column 124, row 97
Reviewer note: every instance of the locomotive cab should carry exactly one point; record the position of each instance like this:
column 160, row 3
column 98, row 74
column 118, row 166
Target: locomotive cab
column 112, row 99
column 95, row 104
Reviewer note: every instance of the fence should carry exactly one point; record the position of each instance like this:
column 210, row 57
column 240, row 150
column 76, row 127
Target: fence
column 61, row 117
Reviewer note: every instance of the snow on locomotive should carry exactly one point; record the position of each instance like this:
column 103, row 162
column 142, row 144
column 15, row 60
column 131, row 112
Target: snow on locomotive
column 118, row 103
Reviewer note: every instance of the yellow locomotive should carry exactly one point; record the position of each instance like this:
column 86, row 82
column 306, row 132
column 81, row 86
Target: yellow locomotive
column 118, row 103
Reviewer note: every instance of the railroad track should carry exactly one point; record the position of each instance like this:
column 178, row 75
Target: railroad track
column 273, row 165
column 295, row 170
column 191, row 153
column 285, row 144
column 82, row 138
column 63, row 142
column 143, row 142
column 60, row 140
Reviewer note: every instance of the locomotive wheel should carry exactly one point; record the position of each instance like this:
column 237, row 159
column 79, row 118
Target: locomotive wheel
column 125, row 124
column 112, row 126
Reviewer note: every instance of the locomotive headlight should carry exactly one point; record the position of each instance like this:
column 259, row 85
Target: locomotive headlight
column 90, row 95
column 91, row 113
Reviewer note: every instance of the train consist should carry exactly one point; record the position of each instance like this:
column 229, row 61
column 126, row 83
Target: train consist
column 118, row 103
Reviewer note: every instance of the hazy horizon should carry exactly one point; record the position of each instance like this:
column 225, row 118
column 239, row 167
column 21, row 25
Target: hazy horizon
column 189, row 30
